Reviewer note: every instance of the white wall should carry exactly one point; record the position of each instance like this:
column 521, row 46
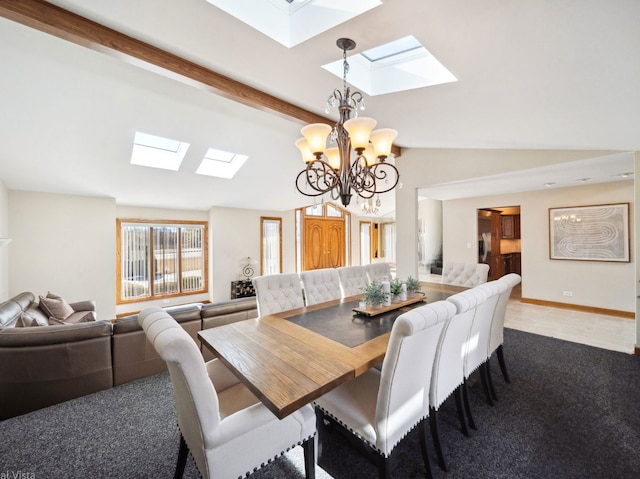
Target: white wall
column 598, row 284
column 234, row 235
column 64, row 244
column 4, row 250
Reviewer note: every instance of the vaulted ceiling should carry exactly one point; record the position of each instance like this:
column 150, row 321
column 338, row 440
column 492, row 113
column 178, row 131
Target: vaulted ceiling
column 531, row 75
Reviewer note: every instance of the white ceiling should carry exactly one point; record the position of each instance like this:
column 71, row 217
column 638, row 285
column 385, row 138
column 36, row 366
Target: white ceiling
column 532, row 75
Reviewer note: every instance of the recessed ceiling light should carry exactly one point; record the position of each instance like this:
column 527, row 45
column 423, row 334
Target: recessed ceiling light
column 626, row 174
column 583, row 180
column 549, row 184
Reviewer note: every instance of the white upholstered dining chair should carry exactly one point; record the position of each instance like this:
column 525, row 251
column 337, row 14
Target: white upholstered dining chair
column 320, row 285
column 380, row 407
column 353, row 280
column 278, row 292
column 227, row 430
column 448, row 366
column 497, row 326
column 378, row 271
column 477, row 356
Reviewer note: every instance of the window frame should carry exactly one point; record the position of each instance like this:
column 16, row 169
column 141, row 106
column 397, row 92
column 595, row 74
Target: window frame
column 274, row 219
column 161, row 223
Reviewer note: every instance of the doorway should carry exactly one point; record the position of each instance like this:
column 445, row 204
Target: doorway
column 322, row 237
column 499, row 240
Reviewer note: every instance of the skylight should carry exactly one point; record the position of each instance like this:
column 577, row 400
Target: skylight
column 221, row 163
column 157, row 152
column 290, row 22
column 390, row 49
column 403, row 64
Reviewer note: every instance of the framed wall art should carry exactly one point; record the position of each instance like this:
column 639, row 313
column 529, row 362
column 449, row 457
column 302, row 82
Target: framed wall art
column 590, row 233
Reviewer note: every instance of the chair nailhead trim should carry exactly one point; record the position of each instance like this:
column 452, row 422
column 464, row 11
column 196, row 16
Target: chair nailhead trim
column 276, row 456
column 363, row 439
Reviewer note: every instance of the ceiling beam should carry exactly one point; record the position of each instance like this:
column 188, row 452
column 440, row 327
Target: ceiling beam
column 49, row 18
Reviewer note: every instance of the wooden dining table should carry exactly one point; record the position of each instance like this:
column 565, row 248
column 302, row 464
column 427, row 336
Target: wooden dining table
column 290, row 358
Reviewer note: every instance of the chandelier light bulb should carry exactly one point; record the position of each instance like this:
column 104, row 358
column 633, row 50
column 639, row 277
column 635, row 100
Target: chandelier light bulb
column 369, row 155
column 382, row 140
column 303, row 146
column 359, row 130
column 316, row 135
column 333, row 157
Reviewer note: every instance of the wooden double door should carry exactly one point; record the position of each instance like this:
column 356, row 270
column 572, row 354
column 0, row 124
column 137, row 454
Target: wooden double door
column 324, row 243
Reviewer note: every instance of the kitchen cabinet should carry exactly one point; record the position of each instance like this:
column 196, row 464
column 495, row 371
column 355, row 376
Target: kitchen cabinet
column 496, row 269
column 511, row 263
column 510, row 226
column 516, row 263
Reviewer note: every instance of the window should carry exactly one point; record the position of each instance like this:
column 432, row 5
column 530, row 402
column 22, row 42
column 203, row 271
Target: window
column 160, row 259
column 333, row 211
column 365, row 242
column 271, row 245
column 389, row 242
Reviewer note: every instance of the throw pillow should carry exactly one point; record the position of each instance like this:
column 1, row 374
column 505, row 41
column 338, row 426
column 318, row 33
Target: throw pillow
column 73, row 319
column 87, row 318
column 57, row 308
column 26, row 321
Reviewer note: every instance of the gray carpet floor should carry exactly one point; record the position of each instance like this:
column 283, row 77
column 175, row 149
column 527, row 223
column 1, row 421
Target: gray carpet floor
column 572, row 411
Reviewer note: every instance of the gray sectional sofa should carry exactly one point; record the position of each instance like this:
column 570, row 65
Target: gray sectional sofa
column 44, row 365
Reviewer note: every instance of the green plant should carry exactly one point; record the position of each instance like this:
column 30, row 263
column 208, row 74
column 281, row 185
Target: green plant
column 412, row 284
column 374, row 294
column 396, row 286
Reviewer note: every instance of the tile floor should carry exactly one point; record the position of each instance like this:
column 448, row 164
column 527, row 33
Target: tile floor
column 599, row 330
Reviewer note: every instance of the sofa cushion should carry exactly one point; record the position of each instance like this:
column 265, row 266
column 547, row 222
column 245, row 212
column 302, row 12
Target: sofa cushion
column 56, row 307
column 182, row 313
column 48, row 335
column 223, row 308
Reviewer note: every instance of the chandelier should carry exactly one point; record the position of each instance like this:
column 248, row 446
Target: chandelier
column 357, row 162
column 369, row 207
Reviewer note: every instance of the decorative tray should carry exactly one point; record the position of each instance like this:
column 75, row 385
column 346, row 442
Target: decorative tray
column 370, row 312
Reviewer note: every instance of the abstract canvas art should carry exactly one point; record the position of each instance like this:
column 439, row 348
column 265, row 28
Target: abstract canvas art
column 590, row 233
